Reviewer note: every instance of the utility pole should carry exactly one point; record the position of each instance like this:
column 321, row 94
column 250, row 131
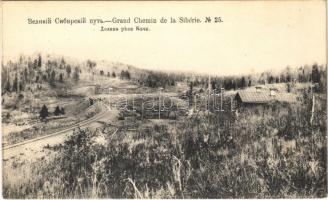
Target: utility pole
column 109, row 101
column 18, row 77
column 208, row 99
column 159, row 103
column 18, row 83
column 142, row 108
column 209, row 92
column 222, row 93
column 313, row 102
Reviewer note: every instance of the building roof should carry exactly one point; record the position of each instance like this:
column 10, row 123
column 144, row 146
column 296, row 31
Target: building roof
column 265, row 97
column 254, row 97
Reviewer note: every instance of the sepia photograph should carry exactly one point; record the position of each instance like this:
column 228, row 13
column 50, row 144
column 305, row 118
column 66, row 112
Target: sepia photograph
column 163, row 99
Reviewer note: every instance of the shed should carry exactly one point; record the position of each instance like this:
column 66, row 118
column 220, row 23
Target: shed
column 263, row 97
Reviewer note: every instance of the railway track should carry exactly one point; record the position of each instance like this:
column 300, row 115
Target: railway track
column 82, row 123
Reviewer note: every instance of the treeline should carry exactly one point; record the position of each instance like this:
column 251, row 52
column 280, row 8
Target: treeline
column 315, row 74
column 124, row 75
column 15, row 76
column 158, row 79
column 102, row 73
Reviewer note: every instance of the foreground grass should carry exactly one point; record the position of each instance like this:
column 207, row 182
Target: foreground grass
column 272, row 153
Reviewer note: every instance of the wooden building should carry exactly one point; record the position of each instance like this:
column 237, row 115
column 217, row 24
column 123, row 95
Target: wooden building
column 253, row 98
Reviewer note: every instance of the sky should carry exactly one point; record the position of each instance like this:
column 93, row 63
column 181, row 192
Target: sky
column 254, row 36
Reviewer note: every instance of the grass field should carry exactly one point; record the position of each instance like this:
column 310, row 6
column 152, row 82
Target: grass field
column 260, row 154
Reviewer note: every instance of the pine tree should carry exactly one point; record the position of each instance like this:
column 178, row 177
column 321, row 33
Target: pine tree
column 15, row 84
column 52, row 79
column 62, row 111
column 8, row 86
column 128, row 75
column 315, row 74
column 57, row 111
column 44, row 112
column 76, row 74
column 122, row 74
column 68, row 70
column 61, row 78
column 39, row 61
column 243, row 82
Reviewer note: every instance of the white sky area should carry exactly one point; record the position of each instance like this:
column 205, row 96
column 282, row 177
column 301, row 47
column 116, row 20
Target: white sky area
column 255, row 35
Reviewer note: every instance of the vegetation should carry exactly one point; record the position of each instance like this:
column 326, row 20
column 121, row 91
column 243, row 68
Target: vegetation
column 125, row 75
column 44, row 112
column 59, row 111
column 157, row 79
column 15, row 76
column 76, row 74
column 277, row 150
column 275, row 153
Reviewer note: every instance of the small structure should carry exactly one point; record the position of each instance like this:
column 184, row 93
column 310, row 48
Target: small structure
column 246, row 98
column 102, row 90
column 251, row 98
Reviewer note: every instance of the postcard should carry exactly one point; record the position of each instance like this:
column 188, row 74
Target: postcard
column 163, row 99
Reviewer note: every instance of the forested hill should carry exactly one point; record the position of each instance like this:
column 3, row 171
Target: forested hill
column 57, row 70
